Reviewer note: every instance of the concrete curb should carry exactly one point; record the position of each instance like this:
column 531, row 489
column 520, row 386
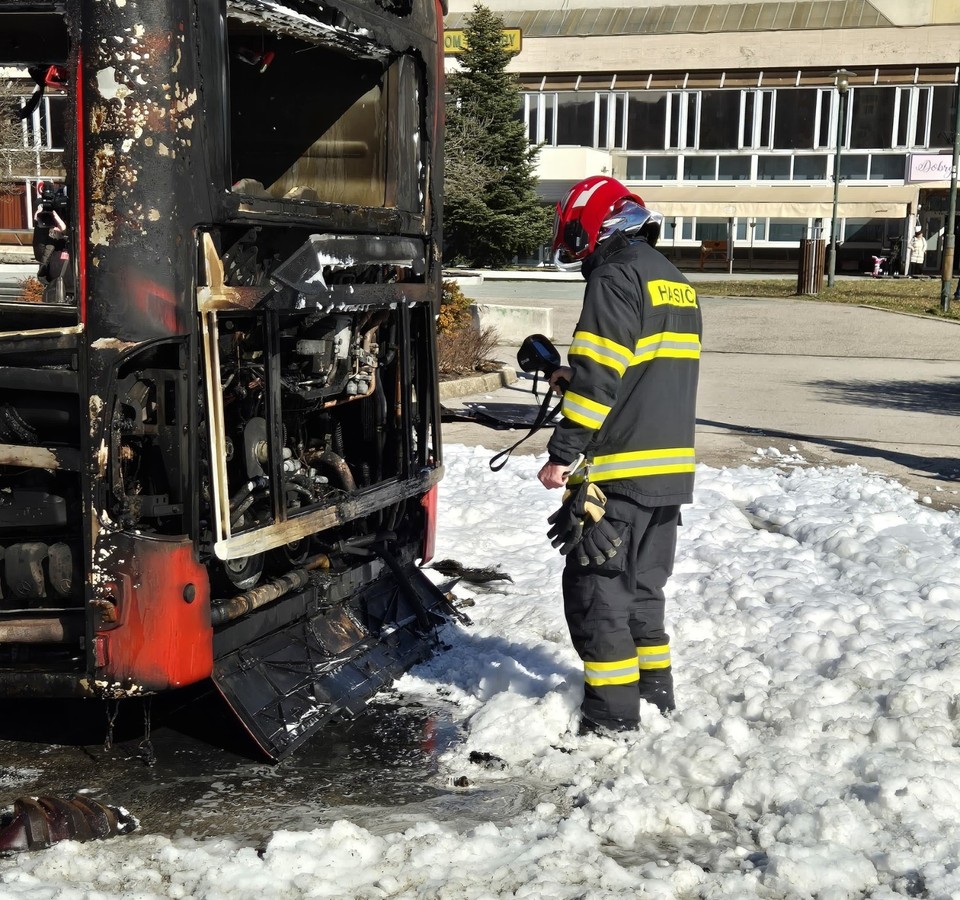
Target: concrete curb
column 900, row 312
column 477, row 384
column 478, row 276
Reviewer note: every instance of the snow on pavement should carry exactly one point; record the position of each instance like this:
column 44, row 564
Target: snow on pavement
column 815, row 620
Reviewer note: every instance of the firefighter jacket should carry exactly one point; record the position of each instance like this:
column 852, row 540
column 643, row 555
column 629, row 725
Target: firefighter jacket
column 630, row 408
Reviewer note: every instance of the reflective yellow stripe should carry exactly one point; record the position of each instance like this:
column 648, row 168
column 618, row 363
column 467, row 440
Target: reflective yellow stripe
column 601, row 350
column 667, row 344
column 654, row 657
column 583, row 410
column 642, row 462
column 621, row 671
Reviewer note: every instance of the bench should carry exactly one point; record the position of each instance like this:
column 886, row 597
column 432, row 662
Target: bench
column 712, row 250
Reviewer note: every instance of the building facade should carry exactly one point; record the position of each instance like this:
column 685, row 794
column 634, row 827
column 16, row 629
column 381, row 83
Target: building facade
column 747, row 123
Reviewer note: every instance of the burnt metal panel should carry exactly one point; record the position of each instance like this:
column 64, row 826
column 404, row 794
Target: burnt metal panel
column 289, row 684
column 60, row 380
column 147, row 187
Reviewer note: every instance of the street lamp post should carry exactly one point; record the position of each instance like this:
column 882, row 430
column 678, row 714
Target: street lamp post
column 731, row 211
column 841, row 80
column 949, row 235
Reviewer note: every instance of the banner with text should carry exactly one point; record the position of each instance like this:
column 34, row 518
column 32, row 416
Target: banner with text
column 928, row 167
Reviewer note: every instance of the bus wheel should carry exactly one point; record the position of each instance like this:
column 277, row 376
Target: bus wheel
column 290, row 556
column 242, row 573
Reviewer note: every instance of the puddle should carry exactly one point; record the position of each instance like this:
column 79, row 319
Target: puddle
column 379, row 770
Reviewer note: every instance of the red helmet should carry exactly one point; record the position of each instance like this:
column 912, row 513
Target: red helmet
column 594, row 209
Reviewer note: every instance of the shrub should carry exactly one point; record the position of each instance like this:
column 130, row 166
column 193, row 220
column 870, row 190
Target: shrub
column 454, row 309
column 467, row 351
column 31, row 291
column 462, row 348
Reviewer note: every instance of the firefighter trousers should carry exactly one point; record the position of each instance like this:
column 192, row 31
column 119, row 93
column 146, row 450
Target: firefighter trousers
column 615, row 613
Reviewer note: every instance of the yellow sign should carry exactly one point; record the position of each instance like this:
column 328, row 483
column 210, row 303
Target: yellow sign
column 456, row 41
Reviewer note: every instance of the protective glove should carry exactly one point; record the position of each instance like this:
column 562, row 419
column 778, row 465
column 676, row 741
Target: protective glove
column 580, row 507
column 598, row 543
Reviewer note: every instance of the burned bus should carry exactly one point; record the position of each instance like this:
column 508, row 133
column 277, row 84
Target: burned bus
column 219, row 429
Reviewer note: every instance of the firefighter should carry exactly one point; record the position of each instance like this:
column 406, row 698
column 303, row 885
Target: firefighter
column 629, row 396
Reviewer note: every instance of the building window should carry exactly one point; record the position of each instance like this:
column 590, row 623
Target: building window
column 909, row 115
column 611, row 112
column 943, row 116
column 700, row 168
column 661, row 168
column 757, row 119
column 719, row 120
column 921, row 136
column 711, row 229
column 870, row 116
column 854, row 167
column 773, row 168
column 864, row 231
column 791, row 230
column 531, row 110
column 887, row 167
column 646, row 120
column 796, row 123
column 809, row 168
column 682, row 120
column 652, row 168
column 734, row 168
column 575, row 115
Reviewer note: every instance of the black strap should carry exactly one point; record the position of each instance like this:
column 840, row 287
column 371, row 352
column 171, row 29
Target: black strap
column 544, row 415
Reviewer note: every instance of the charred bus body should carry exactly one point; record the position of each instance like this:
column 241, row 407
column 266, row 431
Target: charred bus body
column 219, row 435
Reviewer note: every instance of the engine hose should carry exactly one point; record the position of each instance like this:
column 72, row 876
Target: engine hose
column 245, row 498
column 337, row 463
column 289, row 484
column 247, row 491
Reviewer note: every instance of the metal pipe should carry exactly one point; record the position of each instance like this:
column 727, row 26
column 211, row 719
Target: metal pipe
column 335, row 462
column 62, row 628
column 241, row 604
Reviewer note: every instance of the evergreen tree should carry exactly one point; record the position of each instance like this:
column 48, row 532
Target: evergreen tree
column 491, row 209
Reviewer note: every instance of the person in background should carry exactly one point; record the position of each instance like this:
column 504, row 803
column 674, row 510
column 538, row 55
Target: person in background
column 918, row 251
column 629, row 411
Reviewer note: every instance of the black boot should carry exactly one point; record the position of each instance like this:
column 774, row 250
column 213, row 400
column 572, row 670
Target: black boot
column 618, row 726
column 656, row 687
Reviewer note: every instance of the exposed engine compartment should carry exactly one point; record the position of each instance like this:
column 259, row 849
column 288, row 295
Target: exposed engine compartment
column 333, row 418
column 219, row 446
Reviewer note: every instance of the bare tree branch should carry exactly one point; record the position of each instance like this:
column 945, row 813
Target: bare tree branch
column 15, row 159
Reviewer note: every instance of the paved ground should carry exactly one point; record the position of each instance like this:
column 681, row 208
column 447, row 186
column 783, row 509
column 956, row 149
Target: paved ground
column 841, row 384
